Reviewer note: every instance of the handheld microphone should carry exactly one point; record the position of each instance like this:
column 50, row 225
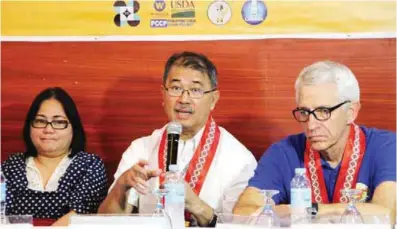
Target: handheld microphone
column 174, row 130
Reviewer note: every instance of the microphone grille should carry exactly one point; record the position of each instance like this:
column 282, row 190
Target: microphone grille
column 174, row 128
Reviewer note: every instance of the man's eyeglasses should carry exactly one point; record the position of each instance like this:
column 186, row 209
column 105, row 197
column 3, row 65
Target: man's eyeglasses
column 194, row 93
column 320, row 113
column 55, row 124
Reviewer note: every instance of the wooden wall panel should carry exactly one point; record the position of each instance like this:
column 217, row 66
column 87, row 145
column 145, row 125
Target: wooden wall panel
column 116, row 86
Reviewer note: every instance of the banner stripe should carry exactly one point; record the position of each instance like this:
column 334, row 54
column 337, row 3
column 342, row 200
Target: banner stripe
column 96, row 18
column 198, row 38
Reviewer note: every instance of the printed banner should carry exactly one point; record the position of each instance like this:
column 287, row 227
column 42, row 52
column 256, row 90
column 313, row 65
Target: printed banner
column 195, row 17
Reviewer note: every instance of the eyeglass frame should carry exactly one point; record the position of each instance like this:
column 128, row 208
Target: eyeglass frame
column 188, row 92
column 330, row 109
column 47, row 122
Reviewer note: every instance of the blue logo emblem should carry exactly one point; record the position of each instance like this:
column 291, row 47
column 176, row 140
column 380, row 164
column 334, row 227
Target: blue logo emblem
column 254, row 12
column 158, row 23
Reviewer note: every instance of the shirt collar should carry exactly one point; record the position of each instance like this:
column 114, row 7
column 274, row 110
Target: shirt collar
column 325, row 164
column 195, row 139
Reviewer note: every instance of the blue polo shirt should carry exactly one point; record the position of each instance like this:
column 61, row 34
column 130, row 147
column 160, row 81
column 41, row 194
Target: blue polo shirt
column 277, row 165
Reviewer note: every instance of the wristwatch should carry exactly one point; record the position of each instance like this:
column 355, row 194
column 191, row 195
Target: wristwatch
column 212, row 223
column 314, row 208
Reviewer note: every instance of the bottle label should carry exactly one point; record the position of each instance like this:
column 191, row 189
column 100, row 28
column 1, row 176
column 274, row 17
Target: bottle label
column 301, row 198
column 3, row 191
column 175, row 193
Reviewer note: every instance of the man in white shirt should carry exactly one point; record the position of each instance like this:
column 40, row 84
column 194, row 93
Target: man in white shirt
column 218, row 166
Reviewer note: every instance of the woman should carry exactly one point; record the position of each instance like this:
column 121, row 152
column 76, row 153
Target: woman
column 54, row 178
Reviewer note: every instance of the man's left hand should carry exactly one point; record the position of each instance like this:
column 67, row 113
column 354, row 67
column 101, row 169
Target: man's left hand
column 201, row 211
column 192, row 201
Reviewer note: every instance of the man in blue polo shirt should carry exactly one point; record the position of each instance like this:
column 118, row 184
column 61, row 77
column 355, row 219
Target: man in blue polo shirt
column 336, row 153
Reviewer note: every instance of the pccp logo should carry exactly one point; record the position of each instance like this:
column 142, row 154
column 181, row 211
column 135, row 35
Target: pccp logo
column 158, row 23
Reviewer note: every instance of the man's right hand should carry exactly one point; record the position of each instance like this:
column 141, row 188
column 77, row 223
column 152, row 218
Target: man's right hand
column 137, row 176
column 250, row 202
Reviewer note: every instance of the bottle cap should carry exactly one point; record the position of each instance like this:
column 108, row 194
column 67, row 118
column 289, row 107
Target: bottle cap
column 300, row 170
column 174, row 168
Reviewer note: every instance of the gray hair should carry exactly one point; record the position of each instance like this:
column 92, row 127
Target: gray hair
column 330, row 72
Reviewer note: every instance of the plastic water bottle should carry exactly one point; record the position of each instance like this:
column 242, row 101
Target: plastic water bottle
column 301, row 197
column 3, row 189
column 175, row 197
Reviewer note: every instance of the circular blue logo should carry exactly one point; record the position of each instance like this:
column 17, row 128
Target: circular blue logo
column 254, row 12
